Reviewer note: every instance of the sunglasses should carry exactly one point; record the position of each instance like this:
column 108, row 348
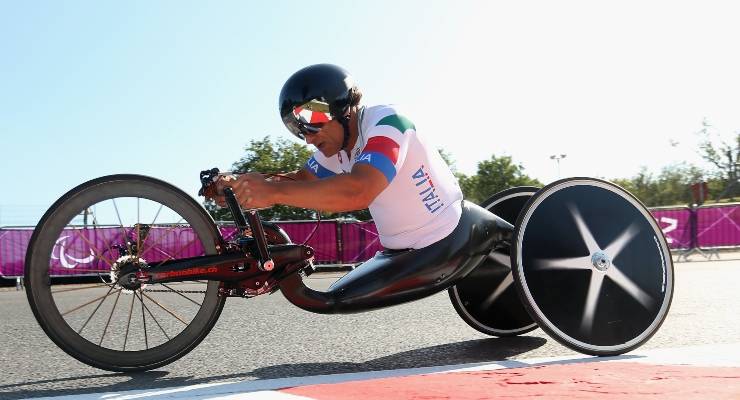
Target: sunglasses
column 308, row 118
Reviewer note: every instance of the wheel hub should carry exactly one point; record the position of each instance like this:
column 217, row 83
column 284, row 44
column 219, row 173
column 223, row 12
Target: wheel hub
column 601, row 261
column 123, row 273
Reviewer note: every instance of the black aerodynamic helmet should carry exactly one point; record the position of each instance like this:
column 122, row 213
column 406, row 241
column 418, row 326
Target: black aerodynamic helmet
column 316, row 95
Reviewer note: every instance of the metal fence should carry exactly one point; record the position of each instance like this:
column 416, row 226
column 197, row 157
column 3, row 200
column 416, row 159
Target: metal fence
column 335, row 241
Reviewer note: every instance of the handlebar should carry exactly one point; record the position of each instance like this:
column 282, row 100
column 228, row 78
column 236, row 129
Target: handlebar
column 207, row 178
column 252, row 220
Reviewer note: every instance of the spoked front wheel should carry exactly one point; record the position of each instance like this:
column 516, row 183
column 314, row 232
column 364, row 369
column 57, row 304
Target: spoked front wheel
column 105, row 229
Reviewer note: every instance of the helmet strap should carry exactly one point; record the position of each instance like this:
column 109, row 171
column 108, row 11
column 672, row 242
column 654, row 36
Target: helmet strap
column 344, row 120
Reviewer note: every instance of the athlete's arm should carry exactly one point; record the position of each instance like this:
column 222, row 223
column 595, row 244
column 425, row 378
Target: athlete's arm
column 343, row 192
column 299, row 175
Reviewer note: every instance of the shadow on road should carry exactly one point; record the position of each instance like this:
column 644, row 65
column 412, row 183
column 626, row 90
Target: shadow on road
column 473, row 351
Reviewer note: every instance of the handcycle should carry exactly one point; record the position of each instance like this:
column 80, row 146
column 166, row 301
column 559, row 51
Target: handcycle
column 580, row 258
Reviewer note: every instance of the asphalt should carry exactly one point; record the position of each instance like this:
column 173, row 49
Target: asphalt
column 267, row 338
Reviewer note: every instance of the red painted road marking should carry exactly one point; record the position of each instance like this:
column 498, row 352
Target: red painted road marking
column 605, row 380
column 696, row 372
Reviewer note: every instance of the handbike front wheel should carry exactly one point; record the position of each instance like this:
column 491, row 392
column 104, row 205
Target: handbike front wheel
column 592, row 266
column 102, row 230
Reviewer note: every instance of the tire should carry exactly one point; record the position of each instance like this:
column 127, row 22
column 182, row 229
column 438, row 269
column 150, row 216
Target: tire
column 592, row 266
column 486, row 299
column 196, row 305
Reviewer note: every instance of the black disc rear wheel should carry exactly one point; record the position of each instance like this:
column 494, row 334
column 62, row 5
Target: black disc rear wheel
column 100, row 231
column 592, row 266
column 486, row 299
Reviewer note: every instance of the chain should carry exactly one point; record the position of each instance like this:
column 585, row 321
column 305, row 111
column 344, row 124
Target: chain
column 172, row 291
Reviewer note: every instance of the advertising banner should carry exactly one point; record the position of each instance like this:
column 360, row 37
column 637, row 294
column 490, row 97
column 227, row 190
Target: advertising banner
column 718, row 226
column 89, row 251
column 323, row 241
column 675, row 226
column 360, row 242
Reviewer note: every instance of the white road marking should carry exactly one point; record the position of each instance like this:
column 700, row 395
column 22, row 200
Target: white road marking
column 727, row 355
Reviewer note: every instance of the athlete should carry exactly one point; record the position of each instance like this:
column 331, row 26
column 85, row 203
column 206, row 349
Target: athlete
column 366, row 157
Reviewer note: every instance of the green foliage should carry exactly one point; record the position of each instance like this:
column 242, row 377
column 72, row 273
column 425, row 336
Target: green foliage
column 451, row 163
column 448, row 159
column 276, row 156
column 494, row 175
column 724, row 156
column 671, row 187
column 268, row 156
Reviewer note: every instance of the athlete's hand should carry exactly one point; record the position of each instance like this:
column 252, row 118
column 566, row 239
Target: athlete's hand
column 216, row 190
column 253, row 191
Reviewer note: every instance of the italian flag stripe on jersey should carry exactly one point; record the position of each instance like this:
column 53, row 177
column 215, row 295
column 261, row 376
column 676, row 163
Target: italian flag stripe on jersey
column 382, row 153
column 397, row 121
column 384, row 145
column 318, row 169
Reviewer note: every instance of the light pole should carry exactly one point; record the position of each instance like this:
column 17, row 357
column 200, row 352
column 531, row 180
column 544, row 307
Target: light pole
column 557, row 158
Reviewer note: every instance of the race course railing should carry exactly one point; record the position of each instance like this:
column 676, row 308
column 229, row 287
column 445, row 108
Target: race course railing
column 335, row 241
column 87, row 250
column 705, row 227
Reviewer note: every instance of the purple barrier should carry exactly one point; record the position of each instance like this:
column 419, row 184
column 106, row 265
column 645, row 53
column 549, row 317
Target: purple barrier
column 13, row 244
column 324, row 240
column 359, row 242
column 675, row 226
column 718, row 226
column 76, row 249
column 91, row 251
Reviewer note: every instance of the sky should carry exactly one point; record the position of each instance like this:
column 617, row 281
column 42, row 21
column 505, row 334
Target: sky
column 169, row 88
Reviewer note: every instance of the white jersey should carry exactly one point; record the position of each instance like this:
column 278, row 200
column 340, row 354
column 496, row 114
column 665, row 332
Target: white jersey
column 422, row 202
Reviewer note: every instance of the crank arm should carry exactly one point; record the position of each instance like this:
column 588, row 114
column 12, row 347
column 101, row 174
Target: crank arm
column 227, row 267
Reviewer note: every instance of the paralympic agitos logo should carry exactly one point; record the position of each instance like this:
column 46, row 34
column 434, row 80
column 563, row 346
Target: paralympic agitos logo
column 67, row 260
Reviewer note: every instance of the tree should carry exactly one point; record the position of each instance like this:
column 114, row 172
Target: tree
column 268, row 156
column 451, row 163
column 495, row 175
column 642, row 186
column 671, row 187
column 724, row 155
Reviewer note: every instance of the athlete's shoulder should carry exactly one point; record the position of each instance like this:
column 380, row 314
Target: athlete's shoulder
column 387, row 116
column 322, row 166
